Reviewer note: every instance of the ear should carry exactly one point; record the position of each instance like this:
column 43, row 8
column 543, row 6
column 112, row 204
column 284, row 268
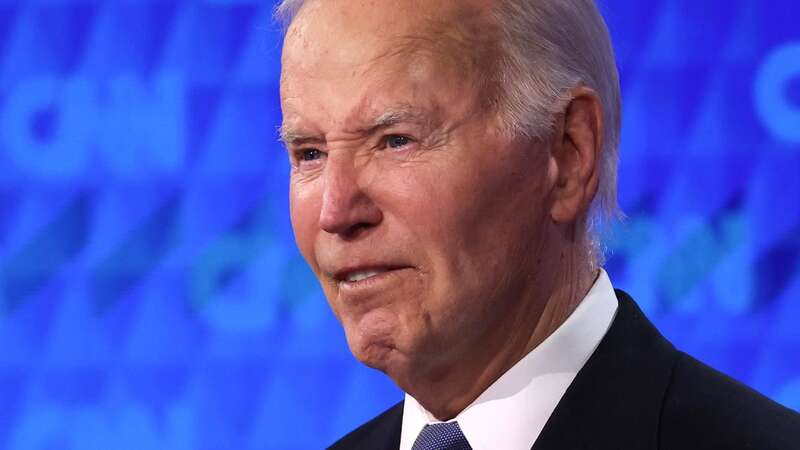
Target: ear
column 575, row 153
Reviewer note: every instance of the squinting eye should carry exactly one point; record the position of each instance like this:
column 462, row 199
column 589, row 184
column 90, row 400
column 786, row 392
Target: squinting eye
column 311, row 154
column 397, row 141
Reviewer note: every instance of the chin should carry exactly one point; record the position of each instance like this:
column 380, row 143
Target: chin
column 375, row 356
column 373, row 343
column 403, row 370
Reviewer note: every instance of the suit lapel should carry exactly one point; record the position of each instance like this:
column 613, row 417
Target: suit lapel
column 380, row 433
column 615, row 401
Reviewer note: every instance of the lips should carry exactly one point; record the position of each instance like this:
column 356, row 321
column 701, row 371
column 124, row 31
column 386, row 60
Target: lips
column 362, row 274
column 365, row 275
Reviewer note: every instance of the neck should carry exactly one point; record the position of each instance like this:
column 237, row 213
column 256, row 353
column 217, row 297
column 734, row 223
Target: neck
column 446, row 391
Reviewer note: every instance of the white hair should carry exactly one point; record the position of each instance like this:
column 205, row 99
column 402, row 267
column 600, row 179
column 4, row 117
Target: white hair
column 286, row 10
column 546, row 48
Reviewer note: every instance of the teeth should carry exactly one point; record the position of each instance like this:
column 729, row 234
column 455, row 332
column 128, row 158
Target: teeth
column 363, row 275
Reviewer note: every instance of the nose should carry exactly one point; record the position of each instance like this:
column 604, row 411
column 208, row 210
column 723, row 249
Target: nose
column 347, row 208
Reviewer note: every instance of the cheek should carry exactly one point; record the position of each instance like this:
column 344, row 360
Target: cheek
column 474, row 221
column 436, row 214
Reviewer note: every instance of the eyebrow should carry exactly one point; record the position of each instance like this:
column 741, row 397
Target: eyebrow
column 394, row 116
column 294, row 137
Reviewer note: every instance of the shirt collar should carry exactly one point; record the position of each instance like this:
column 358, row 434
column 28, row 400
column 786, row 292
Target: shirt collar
column 512, row 412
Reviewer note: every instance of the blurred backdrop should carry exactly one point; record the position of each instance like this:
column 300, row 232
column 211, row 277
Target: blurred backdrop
column 151, row 296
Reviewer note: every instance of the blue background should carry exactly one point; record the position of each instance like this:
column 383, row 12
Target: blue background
column 151, row 296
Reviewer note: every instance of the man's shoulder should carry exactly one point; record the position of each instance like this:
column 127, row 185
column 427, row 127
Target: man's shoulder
column 382, row 432
column 638, row 391
column 706, row 409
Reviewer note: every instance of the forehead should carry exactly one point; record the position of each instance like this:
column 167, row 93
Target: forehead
column 343, row 28
column 352, row 46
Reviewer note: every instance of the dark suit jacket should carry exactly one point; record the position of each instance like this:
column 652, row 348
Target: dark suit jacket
column 638, row 392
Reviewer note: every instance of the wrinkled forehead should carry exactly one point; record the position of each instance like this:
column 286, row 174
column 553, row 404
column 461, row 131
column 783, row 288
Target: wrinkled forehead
column 346, row 60
column 340, row 34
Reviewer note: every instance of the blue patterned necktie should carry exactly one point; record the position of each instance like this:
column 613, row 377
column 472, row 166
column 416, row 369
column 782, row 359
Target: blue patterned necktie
column 441, row 436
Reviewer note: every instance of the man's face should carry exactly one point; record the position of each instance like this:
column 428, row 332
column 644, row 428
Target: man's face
column 425, row 225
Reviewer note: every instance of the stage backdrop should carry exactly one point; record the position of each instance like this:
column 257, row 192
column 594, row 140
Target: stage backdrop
column 151, row 295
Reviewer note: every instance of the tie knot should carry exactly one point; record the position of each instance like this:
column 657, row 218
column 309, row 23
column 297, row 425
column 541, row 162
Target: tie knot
column 441, row 436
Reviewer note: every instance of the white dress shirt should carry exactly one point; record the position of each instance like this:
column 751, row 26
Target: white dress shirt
column 511, row 413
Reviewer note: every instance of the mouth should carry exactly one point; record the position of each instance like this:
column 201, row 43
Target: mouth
column 359, row 275
column 359, row 278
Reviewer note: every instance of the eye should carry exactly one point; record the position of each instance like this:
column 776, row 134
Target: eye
column 310, row 154
column 307, row 158
column 396, row 141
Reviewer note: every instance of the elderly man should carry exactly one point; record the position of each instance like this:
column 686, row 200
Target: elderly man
column 452, row 163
